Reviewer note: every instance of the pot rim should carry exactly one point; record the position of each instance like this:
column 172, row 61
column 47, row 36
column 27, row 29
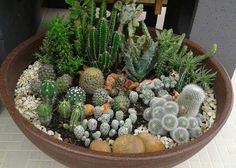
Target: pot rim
column 27, row 126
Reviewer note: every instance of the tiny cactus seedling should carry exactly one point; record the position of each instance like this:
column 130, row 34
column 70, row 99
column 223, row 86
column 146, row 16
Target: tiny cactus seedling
column 147, row 95
column 91, row 80
column 123, row 131
column 133, row 96
column 195, row 132
column 190, row 100
column 183, row 122
column 76, row 94
column 64, row 109
column 193, row 122
column 104, row 129
column 157, row 101
column 155, row 127
column 98, row 112
column 44, row 112
column 63, row 83
column 121, row 103
column 76, row 115
column 122, row 122
column 46, row 72
column 180, row 135
column 79, row 132
column 115, row 124
column 119, row 115
column 48, row 91
column 169, row 122
column 171, row 107
column 100, row 97
column 86, row 134
column 92, row 124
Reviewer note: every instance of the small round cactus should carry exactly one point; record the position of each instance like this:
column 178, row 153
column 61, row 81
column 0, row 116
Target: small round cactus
column 155, row 127
column 193, row 122
column 76, row 115
column 111, row 113
column 157, row 101
column 123, row 131
column 86, row 134
column 92, row 124
column 84, row 123
column 87, row 142
column 46, row 72
column 79, row 132
column 48, row 91
column 158, row 112
column 76, row 94
column 180, row 135
column 171, row 107
column 120, row 103
column 104, row 129
column 119, row 115
column 91, row 80
column 35, row 86
column 112, row 133
column 115, row 124
column 190, row 100
column 128, row 124
column 104, row 118
column 133, row 117
column 147, row 114
column 96, row 135
column 64, row 109
column 147, row 95
column 98, row 112
column 121, row 123
column 183, row 122
column 132, row 111
column 45, row 113
column 158, row 84
column 133, row 96
column 63, row 83
column 167, row 97
column 195, row 132
column 100, row 97
column 169, row 122
column 162, row 92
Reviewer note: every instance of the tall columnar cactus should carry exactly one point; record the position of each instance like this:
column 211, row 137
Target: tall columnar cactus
column 63, row 83
column 190, row 100
column 64, row 109
column 44, row 112
column 91, row 80
column 76, row 115
column 76, row 94
column 100, row 97
column 48, row 91
column 46, row 72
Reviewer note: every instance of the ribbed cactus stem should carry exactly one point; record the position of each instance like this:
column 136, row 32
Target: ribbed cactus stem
column 112, row 24
column 93, row 44
column 104, row 60
column 115, row 46
column 91, row 11
column 77, row 115
column 103, row 31
column 147, row 34
column 103, row 8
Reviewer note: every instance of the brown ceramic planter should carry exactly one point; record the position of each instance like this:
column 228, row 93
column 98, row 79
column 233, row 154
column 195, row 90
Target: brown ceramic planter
column 76, row 156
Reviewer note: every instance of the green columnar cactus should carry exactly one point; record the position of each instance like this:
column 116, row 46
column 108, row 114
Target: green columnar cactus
column 102, row 33
column 63, row 83
column 46, row 72
column 103, row 9
column 180, row 135
column 76, row 115
column 48, row 91
column 64, row 109
column 120, row 103
column 44, row 112
column 76, row 94
column 190, row 100
column 100, row 97
column 91, row 80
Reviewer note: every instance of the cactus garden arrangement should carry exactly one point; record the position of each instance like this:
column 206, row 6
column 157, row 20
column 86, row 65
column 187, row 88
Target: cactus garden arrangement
column 99, row 83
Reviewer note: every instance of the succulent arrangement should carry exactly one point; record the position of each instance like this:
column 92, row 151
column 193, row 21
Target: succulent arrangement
column 100, row 81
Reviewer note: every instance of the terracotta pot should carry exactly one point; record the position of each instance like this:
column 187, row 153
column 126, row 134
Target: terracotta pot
column 76, row 156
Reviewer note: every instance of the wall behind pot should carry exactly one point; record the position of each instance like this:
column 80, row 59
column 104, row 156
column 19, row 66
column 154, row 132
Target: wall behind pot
column 215, row 22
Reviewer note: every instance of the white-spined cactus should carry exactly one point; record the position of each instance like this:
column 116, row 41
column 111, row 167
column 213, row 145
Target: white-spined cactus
column 147, row 95
column 104, row 128
column 190, row 100
column 123, row 131
column 155, row 127
column 169, row 122
column 183, row 122
column 79, row 132
column 180, row 135
column 133, row 96
column 157, row 101
column 171, row 107
column 195, row 132
column 92, row 124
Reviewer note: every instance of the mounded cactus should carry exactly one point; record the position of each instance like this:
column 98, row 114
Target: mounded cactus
column 76, row 115
column 91, row 80
column 133, row 117
column 44, row 112
column 87, row 142
column 190, row 100
column 79, row 132
column 180, row 135
column 46, row 72
column 133, row 96
column 98, row 112
column 112, row 133
column 169, row 122
column 157, row 101
column 84, row 123
column 120, row 103
column 76, row 94
column 171, row 107
column 123, row 131
column 104, row 129
column 147, row 114
column 183, row 122
column 48, row 91
column 96, row 135
column 195, row 132
column 64, row 109
column 147, row 95
column 63, row 83
column 104, row 118
column 115, row 124
column 155, row 127
column 100, row 97
column 92, row 124
column 119, row 115
column 158, row 112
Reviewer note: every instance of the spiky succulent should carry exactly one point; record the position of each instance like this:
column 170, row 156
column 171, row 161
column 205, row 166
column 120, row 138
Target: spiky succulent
column 76, row 115
column 48, row 91
column 133, row 96
column 44, row 112
column 64, row 109
column 79, row 132
column 100, row 97
column 63, row 83
column 46, row 72
column 76, row 94
column 169, row 122
column 147, row 95
column 121, row 103
column 180, row 135
column 104, row 129
column 35, row 86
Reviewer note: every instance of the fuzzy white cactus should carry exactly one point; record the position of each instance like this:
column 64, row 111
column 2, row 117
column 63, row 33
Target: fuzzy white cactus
column 190, row 100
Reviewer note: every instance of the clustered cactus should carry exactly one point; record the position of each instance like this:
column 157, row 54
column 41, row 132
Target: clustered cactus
column 48, row 91
column 164, row 116
column 100, row 97
column 121, row 103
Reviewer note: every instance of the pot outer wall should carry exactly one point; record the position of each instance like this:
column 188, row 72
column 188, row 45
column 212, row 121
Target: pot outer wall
column 75, row 156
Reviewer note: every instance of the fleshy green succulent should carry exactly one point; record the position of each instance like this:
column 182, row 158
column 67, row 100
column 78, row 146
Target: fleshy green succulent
column 91, row 80
column 76, row 94
column 44, row 112
column 48, row 91
column 46, row 72
column 63, row 83
column 100, row 97
column 76, row 115
column 64, row 109
column 120, row 103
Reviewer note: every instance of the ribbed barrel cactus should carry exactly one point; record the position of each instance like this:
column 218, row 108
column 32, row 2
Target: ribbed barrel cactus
column 76, row 94
column 48, row 91
column 100, row 97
